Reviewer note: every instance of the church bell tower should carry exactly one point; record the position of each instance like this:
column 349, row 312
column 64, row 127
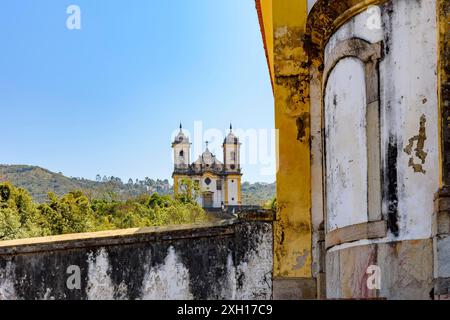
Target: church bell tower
column 181, row 150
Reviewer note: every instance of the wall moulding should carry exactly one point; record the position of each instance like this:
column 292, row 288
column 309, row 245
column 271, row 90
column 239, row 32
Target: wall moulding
column 362, row 231
column 323, row 21
column 370, row 55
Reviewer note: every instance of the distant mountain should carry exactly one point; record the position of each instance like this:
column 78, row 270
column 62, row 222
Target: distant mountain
column 257, row 193
column 39, row 182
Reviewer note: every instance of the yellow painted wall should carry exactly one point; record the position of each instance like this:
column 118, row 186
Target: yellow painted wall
column 293, row 227
column 443, row 13
column 177, row 178
column 266, row 8
column 175, row 184
column 236, row 177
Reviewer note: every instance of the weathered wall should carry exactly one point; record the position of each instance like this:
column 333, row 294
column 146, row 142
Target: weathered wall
column 441, row 226
column 406, row 270
column 409, row 147
column 228, row 260
column 345, row 138
column 293, row 227
column 282, row 26
column 409, row 118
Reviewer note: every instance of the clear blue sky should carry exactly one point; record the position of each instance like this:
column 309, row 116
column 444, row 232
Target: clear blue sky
column 105, row 99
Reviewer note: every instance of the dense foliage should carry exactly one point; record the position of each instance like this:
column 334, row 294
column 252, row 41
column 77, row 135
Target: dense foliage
column 257, row 193
column 74, row 212
column 271, row 205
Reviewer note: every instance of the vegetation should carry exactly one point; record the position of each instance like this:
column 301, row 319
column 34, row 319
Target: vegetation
column 74, row 212
column 46, row 203
column 271, row 204
column 39, row 182
column 257, row 193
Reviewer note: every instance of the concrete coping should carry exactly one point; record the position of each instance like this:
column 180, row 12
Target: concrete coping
column 133, row 235
column 116, row 237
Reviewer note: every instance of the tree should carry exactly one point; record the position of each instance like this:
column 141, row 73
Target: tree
column 19, row 216
column 271, row 204
column 74, row 212
column 188, row 191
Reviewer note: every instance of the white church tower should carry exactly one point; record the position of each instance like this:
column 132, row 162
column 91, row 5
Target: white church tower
column 231, row 156
column 181, row 150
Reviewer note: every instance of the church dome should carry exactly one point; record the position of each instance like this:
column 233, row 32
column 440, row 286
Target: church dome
column 181, row 137
column 231, row 139
column 208, row 157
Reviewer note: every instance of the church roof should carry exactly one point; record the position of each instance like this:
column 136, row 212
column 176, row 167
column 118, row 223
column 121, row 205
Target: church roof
column 207, row 158
column 231, row 139
column 181, row 137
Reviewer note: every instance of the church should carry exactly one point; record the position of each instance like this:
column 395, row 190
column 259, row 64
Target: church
column 219, row 182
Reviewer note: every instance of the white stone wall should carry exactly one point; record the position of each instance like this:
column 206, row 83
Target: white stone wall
column 228, row 149
column 218, row 195
column 345, row 140
column 408, row 85
column 178, row 160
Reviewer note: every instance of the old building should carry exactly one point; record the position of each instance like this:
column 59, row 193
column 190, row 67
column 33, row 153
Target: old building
column 219, row 183
column 362, row 94
column 362, row 108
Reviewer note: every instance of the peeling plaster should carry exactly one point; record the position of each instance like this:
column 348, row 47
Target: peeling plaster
column 302, row 124
column 227, row 260
column 255, row 270
column 169, row 281
column 100, row 286
column 419, row 150
column 291, row 71
column 346, row 144
column 7, row 290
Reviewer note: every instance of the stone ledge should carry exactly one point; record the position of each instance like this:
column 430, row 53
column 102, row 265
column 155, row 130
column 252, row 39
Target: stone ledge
column 368, row 230
column 116, row 237
column 257, row 215
column 134, row 235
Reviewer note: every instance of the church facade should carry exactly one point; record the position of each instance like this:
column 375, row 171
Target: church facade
column 219, row 183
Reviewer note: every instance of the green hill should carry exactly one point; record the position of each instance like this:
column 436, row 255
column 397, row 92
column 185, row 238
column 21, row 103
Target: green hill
column 257, row 193
column 39, row 182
